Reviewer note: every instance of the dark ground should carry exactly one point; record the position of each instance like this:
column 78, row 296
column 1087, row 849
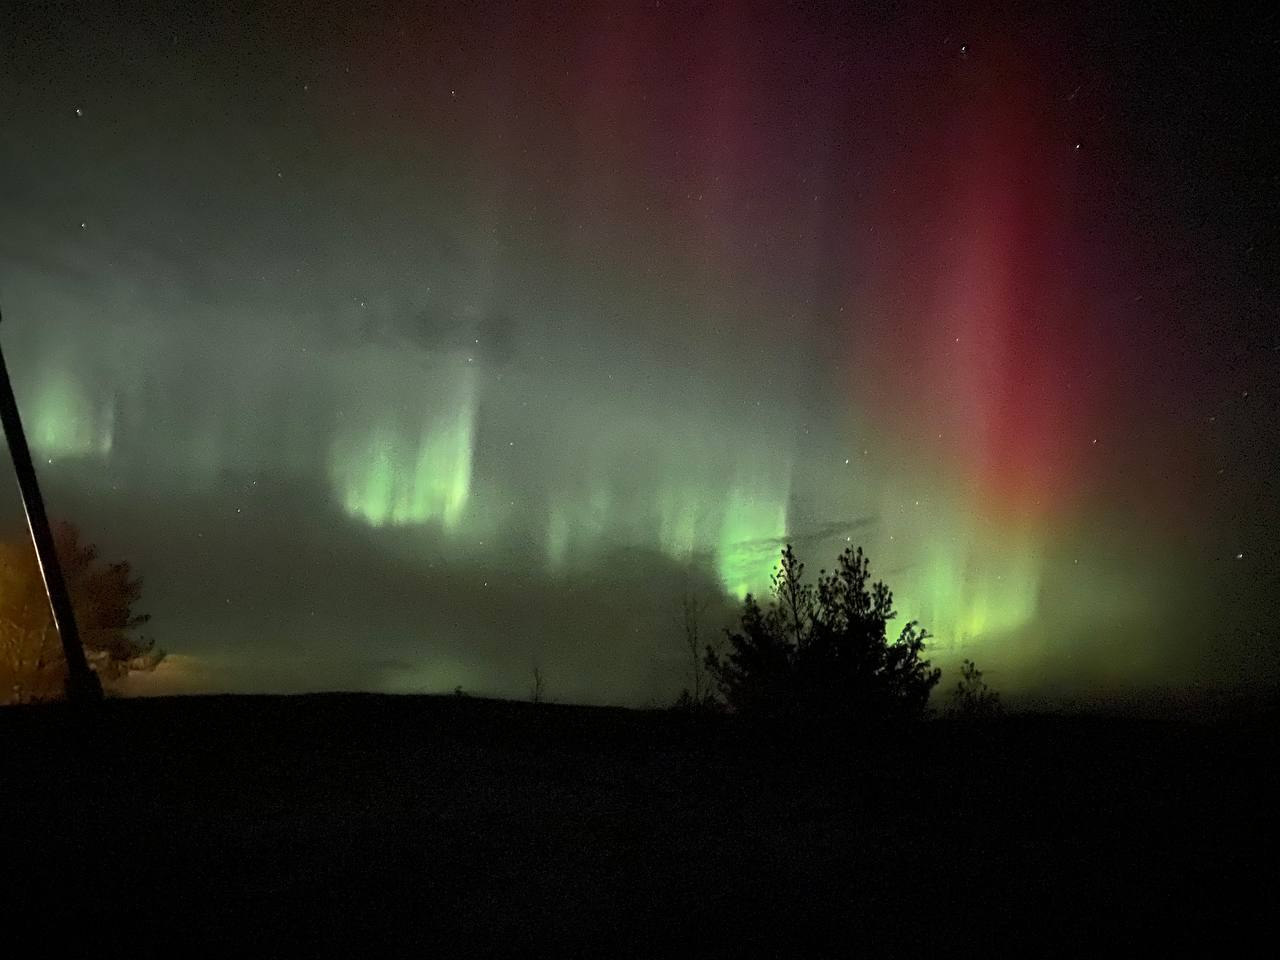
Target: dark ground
column 464, row 826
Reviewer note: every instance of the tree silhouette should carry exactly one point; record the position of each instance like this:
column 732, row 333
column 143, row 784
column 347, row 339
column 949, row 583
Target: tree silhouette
column 972, row 699
column 756, row 676
column 821, row 652
column 698, row 695
column 32, row 666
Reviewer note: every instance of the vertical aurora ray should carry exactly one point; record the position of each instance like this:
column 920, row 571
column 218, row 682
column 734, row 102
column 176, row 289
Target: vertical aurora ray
column 752, row 530
column 980, row 463
column 578, row 526
column 688, row 499
column 442, row 472
column 966, row 592
column 685, row 495
column 557, row 539
column 66, row 421
column 409, row 463
column 681, row 520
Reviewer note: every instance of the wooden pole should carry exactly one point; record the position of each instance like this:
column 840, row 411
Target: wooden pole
column 83, row 686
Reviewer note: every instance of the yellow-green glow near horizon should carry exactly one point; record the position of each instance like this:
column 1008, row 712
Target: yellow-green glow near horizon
column 751, row 532
column 962, row 597
column 973, row 579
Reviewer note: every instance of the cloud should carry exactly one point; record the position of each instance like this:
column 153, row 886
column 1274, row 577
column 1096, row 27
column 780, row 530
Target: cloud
column 811, row 536
column 489, row 337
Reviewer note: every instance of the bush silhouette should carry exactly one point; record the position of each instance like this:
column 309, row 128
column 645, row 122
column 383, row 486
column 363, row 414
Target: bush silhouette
column 820, row 652
column 972, row 699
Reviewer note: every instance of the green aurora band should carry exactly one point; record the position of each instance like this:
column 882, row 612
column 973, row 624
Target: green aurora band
column 395, row 463
column 402, row 453
column 66, row 421
column 406, row 466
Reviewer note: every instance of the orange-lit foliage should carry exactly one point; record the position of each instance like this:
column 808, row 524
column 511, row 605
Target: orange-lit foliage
column 105, row 595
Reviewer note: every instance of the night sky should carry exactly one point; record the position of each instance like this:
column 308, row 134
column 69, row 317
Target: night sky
column 408, row 347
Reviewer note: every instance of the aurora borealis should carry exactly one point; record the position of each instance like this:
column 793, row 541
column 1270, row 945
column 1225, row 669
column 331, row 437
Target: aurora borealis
column 409, row 347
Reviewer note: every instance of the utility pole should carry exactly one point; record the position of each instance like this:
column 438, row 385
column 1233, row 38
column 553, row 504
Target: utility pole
column 83, row 686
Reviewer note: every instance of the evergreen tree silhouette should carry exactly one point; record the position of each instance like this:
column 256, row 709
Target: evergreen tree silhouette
column 822, row 652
